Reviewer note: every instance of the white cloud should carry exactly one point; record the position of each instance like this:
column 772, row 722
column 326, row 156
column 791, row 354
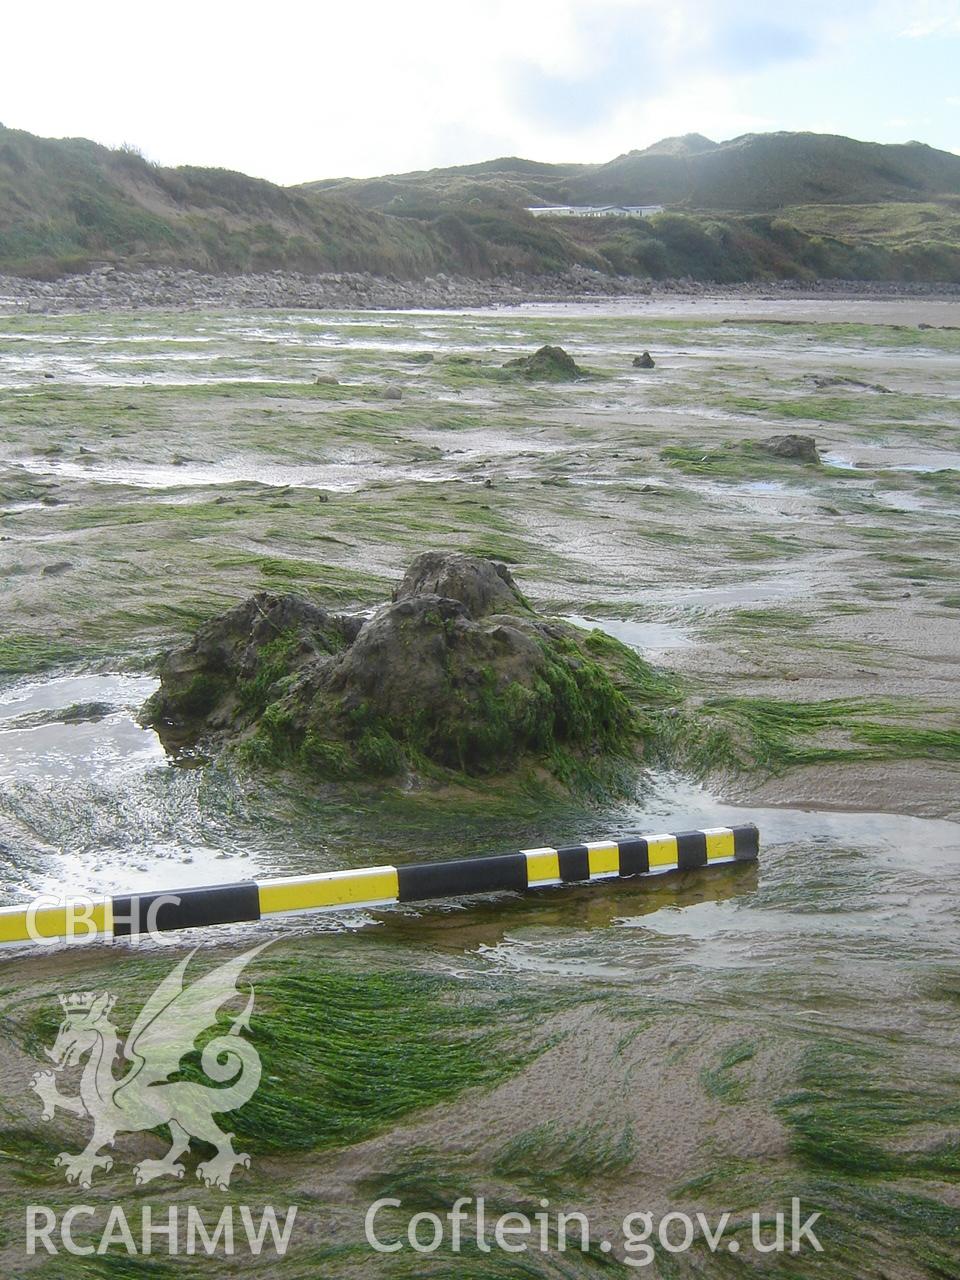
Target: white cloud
column 929, row 18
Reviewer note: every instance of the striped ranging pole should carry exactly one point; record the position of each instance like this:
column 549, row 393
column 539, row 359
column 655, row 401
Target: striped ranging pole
column 128, row 914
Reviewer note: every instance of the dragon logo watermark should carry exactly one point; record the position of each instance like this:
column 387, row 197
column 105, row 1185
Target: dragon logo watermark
column 143, row 1097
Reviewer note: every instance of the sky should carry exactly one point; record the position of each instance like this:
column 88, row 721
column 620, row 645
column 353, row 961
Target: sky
column 295, row 91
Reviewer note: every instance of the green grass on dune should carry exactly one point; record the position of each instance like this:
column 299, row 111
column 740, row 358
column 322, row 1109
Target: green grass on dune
column 66, row 203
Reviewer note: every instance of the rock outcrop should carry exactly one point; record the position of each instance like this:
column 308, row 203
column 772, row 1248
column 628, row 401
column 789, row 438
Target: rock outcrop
column 793, row 447
column 825, row 382
column 456, row 675
column 643, row 361
column 481, row 586
column 547, row 363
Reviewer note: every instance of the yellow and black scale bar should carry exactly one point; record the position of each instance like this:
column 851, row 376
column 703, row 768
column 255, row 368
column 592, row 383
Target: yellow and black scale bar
column 193, row 908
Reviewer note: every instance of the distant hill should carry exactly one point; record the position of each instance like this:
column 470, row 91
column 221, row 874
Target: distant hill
column 786, row 205
column 752, row 174
column 767, row 171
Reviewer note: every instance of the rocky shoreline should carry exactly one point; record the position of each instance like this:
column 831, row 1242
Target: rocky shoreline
column 108, row 288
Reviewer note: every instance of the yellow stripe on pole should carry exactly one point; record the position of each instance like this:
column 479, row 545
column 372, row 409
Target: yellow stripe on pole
column 372, row 886
column 81, row 919
column 543, row 866
column 662, row 851
column 720, row 843
column 604, row 859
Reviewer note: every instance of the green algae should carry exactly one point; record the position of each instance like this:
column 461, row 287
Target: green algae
column 573, row 716
column 746, row 460
column 772, row 735
column 853, row 1113
column 274, row 663
column 864, row 409
column 339, row 1068
column 27, row 1155
column 771, row 618
column 198, row 698
column 24, row 654
column 548, row 1156
column 718, row 1082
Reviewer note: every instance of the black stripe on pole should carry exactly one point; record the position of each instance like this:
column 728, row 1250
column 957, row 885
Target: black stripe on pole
column 185, row 908
column 634, row 857
column 471, row 875
column 691, row 850
column 574, row 863
column 746, row 842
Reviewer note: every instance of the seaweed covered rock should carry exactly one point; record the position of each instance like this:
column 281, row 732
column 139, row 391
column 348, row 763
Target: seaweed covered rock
column 547, row 363
column 796, row 448
column 828, row 382
column 227, row 674
column 456, row 675
column 483, row 586
column 644, row 361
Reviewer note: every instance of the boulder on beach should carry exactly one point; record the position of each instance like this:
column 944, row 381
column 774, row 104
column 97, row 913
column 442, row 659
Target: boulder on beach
column 547, row 363
column 829, row 382
column 457, row 675
column 793, row 447
column 643, row 361
column 482, row 586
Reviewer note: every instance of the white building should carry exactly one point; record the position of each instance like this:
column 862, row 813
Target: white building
column 596, row 210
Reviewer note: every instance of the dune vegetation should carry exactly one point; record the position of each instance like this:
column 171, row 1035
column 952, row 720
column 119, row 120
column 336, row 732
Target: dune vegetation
column 779, row 206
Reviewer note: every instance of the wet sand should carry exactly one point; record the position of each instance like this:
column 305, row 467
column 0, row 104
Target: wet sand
column 697, row 1042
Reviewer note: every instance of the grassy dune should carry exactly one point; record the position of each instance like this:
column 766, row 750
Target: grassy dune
column 790, row 206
